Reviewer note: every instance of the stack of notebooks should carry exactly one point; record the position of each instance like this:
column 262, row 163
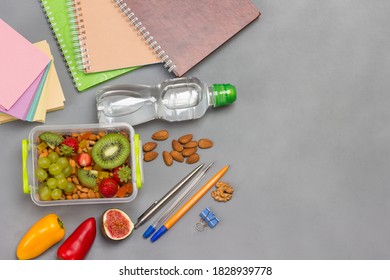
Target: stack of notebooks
column 102, row 39
column 30, row 86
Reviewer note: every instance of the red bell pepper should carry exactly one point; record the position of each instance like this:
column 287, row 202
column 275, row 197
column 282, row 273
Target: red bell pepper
column 77, row 245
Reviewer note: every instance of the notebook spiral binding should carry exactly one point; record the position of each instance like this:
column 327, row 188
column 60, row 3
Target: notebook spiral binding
column 78, row 35
column 59, row 41
column 164, row 58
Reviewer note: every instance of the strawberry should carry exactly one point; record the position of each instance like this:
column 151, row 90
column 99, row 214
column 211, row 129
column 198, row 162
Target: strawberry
column 108, row 187
column 84, row 160
column 122, row 174
column 69, row 146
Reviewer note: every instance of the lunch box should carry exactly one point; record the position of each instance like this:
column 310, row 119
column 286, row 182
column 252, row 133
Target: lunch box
column 30, row 158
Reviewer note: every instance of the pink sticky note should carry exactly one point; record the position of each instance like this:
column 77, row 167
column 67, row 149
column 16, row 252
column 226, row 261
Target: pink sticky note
column 22, row 105
column 20, row 65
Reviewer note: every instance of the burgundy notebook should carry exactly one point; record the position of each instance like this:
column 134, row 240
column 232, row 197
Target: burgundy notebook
column 184, row 32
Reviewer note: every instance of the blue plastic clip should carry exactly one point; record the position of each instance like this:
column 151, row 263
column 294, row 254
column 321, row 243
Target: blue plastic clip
column 208, row 218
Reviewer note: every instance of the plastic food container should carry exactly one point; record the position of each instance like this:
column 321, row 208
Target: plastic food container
column 30, row 157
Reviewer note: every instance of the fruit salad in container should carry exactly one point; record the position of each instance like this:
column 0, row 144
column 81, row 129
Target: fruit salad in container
column 82, row 164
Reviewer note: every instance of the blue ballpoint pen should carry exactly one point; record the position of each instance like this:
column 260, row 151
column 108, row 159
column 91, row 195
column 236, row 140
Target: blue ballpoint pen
column 160, row 221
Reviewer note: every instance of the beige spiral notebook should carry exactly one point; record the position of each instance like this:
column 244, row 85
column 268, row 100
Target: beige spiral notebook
column 107, row 39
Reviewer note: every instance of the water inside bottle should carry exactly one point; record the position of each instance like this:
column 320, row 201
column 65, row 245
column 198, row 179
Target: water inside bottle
column 121, row 104
column 126, row 103
column 179, row 96
column 182, row 100
column 173, row 100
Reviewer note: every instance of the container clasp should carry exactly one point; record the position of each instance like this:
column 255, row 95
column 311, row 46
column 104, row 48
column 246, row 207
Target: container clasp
column 25, row 149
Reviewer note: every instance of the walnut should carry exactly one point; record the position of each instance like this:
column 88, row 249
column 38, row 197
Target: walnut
column 223, row 192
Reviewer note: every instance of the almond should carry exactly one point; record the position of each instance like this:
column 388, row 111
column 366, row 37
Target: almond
column 205, row 143
column 160, row 135
column 149, row 146
column 167, row 158
column 193, row 158
column 177, row 156
column 177, row 146
column 191, row 144
column 149, row 156
column 188, row 152
column 185, row 138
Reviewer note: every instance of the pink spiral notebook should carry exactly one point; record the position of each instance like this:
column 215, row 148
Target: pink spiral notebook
column 184, row 32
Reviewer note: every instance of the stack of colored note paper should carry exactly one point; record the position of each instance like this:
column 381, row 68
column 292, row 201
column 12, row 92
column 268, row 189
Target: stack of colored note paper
column 29, row 85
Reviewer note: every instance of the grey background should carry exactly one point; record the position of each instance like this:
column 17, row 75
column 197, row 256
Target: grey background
column 308, row 140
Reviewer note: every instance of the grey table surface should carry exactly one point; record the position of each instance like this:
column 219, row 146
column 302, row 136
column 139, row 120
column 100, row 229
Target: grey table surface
column 308, row 140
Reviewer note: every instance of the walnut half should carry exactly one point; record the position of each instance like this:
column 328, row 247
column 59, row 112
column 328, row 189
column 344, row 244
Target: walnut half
column 223, row 192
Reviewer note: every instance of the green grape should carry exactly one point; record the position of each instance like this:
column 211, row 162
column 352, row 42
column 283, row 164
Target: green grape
column 44, row 193
column 52, row 183
column 59, row 176
column 53, row 156
column 56, row 194
column 41, row 174
column 67, row 171
column 44, row 162
column 62, row 183
column 55, row 169
column 63, row 162
column 69, row 188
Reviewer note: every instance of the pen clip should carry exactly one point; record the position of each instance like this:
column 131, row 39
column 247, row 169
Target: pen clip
column 147, row 210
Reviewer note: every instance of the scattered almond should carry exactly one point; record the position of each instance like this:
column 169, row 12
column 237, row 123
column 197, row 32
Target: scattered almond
column 193, row 158
column 185, row 138
column 183, row 147
column 205, row 143
column 177, row 146
column 149, row 156
column 149, row 146
column 167, row 158
column 188, row 152
column 177, row 156
column 191, row 144
column 160, row 135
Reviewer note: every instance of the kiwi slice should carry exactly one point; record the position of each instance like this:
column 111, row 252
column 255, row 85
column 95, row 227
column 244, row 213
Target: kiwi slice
column 111, row 151
column 51, row 139
column 87, row 178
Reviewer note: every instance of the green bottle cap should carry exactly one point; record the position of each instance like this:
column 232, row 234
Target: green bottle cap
column 224, row 94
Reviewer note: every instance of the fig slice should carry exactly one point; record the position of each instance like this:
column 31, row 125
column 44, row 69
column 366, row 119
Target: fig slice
column 116, row 224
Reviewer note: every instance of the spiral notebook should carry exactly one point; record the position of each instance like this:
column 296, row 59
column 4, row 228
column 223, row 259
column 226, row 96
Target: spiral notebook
column 184, row 32
column 60, row 16
column 106, row 40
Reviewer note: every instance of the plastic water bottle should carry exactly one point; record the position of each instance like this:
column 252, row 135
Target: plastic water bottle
column 176, row 99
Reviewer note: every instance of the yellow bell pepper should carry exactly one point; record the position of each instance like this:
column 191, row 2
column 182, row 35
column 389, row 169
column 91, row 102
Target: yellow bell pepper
column 41, row 236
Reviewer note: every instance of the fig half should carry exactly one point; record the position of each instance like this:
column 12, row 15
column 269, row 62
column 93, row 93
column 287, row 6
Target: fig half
column 116, row 224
